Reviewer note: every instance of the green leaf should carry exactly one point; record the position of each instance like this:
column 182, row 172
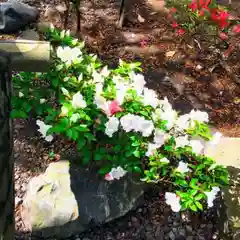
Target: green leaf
column 81, row 143
column 199, row 205
column 86, row 156
column 55, row 82
column 104, row 170
column 137, row 169
column 75, row 135
column 90, row 136
column 69, row 133
column 18, row 114
column 98, row 156
column 199, row 197
column 193, row 207
column 82, row 128
column 181, row 182
column 137, row 154
column 26, row 106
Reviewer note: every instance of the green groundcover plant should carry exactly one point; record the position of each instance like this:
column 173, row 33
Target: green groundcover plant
column 120, row 124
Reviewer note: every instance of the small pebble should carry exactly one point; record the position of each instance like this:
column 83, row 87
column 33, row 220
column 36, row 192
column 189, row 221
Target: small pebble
column 18, row 201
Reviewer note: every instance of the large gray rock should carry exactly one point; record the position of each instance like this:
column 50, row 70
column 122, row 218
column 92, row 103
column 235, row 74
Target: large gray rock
column 67, row 200
column 227, row 153
column 15, row 15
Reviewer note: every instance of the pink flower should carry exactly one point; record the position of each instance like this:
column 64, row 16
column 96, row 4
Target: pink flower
column 236, row 28
column 180, row 32
column 114, row 107
column 223, row 35
column 143, row 43
column 109, row 177
column 174, row 25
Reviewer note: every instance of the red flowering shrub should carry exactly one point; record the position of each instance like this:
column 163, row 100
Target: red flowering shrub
column 203, row 18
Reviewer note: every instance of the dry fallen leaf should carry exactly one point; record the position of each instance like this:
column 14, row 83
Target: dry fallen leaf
column 140, row 18
column 170, row 53
column 236, row 100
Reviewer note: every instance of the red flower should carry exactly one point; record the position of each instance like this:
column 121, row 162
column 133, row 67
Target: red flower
column 180, row 32
column 114, row 107
column 173, row 10
column 174, row 25
column 220, row 17
column 236, row 28
column 193, row 6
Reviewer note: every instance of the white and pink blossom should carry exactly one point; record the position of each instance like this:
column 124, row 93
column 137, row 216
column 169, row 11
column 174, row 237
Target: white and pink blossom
column 115, row 173
column 173, row 200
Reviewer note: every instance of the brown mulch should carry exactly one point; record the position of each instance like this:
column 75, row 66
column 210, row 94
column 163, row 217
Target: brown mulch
column 196, row 79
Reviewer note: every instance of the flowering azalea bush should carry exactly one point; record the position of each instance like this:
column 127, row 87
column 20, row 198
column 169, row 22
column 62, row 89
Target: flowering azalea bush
column 203, row 17
column 121, row 125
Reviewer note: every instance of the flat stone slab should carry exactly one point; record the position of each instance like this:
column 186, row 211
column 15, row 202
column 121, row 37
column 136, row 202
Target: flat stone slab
column 227, row 152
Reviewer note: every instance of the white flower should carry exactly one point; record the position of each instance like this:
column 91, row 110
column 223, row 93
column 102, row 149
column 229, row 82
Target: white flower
column 138, row 82
column 78, row 101
column 65, row 92
column 165, row 113
column 127, row 122
column 173, row 200
column 68, row 55
column 136, row 123
column 64, row 111
column 97, row 77
column 152, row 147
column 164, row 160
column 146, row 127
column 43, row 128
column 166, row 106
column 20, row 94
column 150, row 98
column 183, row 122
column 102, row 103
column 198, row 116
column 105, row 72
column 211, row 196
column 74, row 117
column 182, row 141
column 182, row 167
column 80, row 77
column 121, row 90
column 115, row 173
column 215, row 138
column 160, row 136
column 99, row 88
column 197, row 146
column 111, row 126
column 42, row 100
